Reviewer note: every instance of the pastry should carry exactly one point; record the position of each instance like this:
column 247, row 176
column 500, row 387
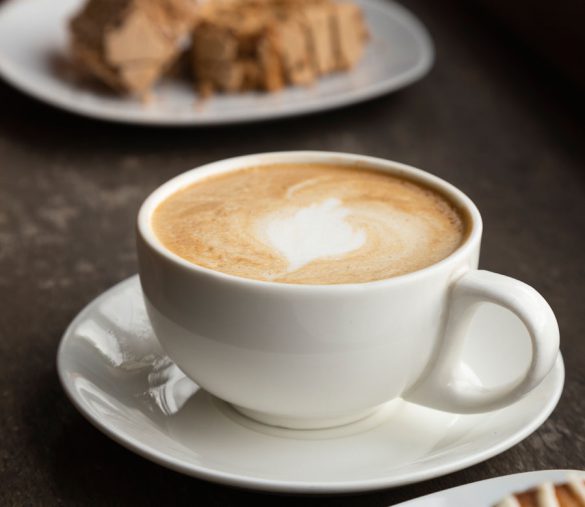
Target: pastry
column 267, row 45
column 235, row 45
column 128, row 44
column 569, row 494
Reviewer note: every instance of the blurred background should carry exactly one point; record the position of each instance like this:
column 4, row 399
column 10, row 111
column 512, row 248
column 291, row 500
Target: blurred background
column 550, row 31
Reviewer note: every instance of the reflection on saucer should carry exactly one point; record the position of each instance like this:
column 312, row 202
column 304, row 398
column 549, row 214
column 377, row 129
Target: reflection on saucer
column 169, row 388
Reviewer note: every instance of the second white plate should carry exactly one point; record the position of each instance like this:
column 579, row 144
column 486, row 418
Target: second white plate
column 490, row 492
column 33, row 58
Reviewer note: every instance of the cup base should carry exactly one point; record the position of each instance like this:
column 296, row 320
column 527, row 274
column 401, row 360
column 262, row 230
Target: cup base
column 294, row 423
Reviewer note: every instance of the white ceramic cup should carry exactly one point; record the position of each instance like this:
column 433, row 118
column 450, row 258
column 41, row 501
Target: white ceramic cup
column 313, row 356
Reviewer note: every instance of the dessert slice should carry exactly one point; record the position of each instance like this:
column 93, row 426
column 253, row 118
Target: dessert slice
column 317, row 22
column 128, row 44
column 235, row 50
column 349, row 34
column 337, row 35
column 569, row 494
column 293, row 46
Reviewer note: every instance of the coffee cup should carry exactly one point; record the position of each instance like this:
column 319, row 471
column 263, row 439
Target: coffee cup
column 316, row 355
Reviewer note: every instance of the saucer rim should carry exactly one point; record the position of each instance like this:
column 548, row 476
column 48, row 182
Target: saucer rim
column 290, row 486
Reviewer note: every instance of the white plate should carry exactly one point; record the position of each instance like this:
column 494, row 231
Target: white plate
column 489, row 493
column 33, row 49
column 115, row 373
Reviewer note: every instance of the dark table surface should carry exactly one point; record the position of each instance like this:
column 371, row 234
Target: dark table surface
column 489, row 118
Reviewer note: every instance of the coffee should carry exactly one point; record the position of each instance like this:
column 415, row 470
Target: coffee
column 309, row 224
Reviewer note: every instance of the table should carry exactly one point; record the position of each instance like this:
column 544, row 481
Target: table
column 489, row 118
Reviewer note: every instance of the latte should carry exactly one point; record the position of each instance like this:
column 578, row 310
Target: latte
column 309, row 224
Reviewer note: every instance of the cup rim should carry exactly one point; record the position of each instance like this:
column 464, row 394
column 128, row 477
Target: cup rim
column 149, row 205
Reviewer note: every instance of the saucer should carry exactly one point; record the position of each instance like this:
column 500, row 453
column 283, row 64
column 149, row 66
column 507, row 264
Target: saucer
column 33, row 58
column 115, row 373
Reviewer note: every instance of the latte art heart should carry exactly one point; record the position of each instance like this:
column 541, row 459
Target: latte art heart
column 315, row 232
column 309, row 224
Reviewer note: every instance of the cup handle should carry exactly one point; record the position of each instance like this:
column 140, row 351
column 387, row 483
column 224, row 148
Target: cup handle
column 444, row 387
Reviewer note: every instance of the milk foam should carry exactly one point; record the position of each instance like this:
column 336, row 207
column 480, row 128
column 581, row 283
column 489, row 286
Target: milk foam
column 310, row 233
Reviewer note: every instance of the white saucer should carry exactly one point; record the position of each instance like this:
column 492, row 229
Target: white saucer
column 488, row 493
column 33, row 45
column 115, row 373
